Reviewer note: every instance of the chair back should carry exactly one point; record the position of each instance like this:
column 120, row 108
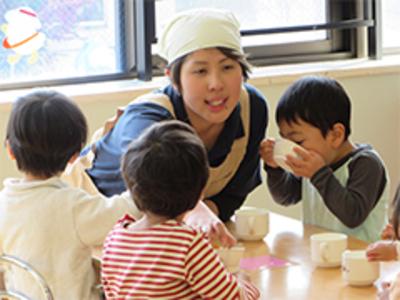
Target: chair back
column 17, row 262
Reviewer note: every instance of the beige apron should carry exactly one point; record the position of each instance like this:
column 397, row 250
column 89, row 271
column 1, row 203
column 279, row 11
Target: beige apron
column 220, row 176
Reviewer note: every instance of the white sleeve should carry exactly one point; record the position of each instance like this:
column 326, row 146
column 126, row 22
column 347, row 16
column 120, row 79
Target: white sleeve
column 94, row 216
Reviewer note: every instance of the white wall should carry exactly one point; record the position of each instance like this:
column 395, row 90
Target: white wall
column 376, row 114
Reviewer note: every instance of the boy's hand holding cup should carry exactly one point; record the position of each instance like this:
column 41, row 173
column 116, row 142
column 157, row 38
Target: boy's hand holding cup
column 291, row 157
column 267, row 152
column 304, row 163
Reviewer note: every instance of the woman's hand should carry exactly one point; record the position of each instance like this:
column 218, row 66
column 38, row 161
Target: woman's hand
column 201, row 217
column 267, row 152
column 382, row 251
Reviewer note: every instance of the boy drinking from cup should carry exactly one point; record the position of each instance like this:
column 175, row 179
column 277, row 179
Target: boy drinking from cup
column 342, row 185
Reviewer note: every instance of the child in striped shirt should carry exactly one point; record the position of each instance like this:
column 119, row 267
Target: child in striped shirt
column 159, row 256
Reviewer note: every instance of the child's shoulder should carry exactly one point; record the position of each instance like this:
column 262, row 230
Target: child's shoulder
column 366, row 160
column 366, row 153
column 49, row 187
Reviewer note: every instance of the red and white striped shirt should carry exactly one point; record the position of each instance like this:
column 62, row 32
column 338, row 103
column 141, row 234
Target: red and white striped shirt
column 166, row 261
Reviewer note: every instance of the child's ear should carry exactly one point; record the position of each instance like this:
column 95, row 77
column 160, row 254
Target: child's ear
column 73, row 157
column 9, row 151
column 337, row 135
column 167, row 72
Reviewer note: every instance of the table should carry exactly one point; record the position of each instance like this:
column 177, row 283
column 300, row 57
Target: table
column 289, row 239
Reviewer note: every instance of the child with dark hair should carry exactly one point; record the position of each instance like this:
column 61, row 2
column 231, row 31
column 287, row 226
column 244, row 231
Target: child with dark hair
column 159, row 256
column 43, row 221
column 343, row 186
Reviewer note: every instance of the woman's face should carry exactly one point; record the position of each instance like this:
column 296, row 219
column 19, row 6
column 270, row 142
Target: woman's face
column 210, row 86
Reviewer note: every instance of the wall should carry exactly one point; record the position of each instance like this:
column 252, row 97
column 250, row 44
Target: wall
column 375, row 120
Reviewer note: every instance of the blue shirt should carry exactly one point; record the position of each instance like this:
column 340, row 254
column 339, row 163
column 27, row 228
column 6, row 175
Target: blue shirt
column 137, row 116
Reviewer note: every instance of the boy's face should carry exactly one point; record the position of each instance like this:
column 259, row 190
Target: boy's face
column 310, row 138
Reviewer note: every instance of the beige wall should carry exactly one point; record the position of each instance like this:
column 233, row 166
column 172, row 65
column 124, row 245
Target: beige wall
column 375, row 120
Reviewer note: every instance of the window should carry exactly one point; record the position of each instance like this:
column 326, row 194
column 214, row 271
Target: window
column 258, row 14
column 45, row 42
column 299, row 37
column 55, row 40
column 391, row 25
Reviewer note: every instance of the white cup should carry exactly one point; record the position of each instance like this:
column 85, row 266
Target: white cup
column 231, row 257
column 251, row 223
column 327, row 249
column 282, row 148
column 357, row 270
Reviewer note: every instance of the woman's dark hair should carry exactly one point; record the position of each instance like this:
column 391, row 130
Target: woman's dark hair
column 166, row 169
column 176, row 66
column 44, row 131
column 319, row 101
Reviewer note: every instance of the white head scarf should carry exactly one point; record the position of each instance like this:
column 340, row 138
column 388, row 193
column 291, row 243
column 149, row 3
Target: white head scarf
column 197, row 29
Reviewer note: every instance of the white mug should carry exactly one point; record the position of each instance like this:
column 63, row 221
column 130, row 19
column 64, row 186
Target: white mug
column 251, row 223
column 327, row 248
column 282, row 148
column 357, row 270
column 231, row 257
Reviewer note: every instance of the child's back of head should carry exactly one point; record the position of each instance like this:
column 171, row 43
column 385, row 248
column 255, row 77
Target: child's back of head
column 44, row 131
column 166, row 169
column 319, row 101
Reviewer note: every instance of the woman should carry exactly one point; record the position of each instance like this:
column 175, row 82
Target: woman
column 207, row 69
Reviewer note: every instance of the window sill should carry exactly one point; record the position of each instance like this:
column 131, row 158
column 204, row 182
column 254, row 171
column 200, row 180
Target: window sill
column 263, row 76
column 336, row 69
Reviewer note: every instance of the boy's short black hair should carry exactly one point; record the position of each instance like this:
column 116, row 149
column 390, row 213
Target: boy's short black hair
column 319, row 101
column 166, row 169
column 44, row 131
column 176, row 66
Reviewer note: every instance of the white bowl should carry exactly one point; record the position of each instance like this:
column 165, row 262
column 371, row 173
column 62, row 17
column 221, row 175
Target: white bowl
column 282, row 148
column 251, row 223
column 231, row 257
column 357, row 270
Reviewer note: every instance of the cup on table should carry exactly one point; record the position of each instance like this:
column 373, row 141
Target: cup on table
column 282, row 148
column 357, row 270
column 231, row 257
column 327, row 249
column 251, row 223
